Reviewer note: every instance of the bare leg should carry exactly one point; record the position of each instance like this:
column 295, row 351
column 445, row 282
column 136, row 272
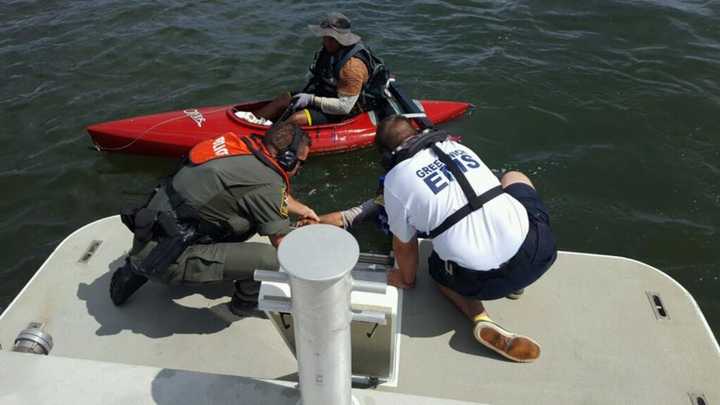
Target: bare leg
column 515, row 177
column 275, row 108
column 489, row 334
column 471, row 308
column 298, row 118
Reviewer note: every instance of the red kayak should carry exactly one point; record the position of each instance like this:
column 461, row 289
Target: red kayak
column 174, row 133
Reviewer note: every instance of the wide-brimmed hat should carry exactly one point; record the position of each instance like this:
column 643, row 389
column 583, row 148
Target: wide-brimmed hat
column 336, row 25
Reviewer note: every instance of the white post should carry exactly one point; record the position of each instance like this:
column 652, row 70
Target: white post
column 319, row 259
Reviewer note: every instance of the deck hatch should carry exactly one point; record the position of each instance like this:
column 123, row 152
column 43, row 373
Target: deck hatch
column 657, row 305
column 94, row 245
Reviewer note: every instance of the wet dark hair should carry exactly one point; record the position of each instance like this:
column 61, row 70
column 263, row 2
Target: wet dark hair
column 393, row 131
column 280, row 136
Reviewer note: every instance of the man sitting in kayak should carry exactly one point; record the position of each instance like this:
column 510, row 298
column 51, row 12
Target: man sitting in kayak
column 346, row 79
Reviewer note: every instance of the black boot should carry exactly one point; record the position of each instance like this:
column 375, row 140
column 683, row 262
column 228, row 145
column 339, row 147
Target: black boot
column 245, row 297
column 124, row 283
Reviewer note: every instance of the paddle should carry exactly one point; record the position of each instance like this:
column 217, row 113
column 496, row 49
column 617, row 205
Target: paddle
column 408, row 107
column 286, row 114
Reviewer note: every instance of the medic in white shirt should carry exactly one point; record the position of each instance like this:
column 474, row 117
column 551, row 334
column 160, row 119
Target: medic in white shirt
column 491, row 238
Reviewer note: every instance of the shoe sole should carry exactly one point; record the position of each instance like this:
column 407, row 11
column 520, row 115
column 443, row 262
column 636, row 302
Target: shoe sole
column 515, row 295
column 517, row 348
column 123, row 286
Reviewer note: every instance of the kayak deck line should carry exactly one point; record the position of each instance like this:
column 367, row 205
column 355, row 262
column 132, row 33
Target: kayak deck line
column 138, row 138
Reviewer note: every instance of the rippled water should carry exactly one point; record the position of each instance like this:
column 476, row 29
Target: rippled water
column 610, row 106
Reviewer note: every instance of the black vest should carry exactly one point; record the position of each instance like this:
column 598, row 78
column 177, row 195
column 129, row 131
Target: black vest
column 411, row 147
column 428, row 140
column 326, row 67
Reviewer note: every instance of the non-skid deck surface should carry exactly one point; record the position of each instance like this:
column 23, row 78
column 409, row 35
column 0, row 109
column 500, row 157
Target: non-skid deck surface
column 160, row 326
column 602, row 341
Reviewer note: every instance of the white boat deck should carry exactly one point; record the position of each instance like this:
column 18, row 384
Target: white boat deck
column 602, row 340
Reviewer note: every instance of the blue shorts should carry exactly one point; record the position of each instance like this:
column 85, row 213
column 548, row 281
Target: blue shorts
column 535, row 256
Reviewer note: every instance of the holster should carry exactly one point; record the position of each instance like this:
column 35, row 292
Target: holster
column 172, row 237
column 166, row 252
column 140, row 221
column 174, row 225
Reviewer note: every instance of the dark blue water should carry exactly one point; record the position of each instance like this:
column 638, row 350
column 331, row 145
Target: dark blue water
column 610, row 106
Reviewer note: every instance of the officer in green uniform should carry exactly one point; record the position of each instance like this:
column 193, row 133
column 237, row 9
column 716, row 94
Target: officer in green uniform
column 195, row 226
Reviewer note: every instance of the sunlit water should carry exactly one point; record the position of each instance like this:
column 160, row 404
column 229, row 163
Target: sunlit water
column 610, row 106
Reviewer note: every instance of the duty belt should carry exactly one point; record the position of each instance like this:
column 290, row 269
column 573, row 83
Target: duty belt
column 189, row 216
column 174, row 231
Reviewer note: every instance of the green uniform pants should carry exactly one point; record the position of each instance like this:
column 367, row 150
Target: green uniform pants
column 213, row 262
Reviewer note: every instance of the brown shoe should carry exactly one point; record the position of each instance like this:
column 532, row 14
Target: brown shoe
column 514, row 347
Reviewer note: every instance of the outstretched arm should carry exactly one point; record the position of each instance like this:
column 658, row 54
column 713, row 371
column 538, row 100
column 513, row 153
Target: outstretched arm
column 349, row 217
column 303, row 211
column 358, row 214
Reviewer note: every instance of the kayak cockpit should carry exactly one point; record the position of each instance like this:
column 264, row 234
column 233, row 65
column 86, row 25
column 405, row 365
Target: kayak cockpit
column 238, row 114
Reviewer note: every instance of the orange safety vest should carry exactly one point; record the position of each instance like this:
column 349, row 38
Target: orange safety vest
column 229, row 144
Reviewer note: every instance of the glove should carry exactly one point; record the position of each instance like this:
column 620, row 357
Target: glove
column 302, row 100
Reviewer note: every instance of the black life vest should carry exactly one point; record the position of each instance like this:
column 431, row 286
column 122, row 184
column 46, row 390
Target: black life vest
column 326, row 67
column 413, row 146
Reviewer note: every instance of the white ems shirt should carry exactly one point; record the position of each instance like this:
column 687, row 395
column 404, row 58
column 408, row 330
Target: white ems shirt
column 420, row 193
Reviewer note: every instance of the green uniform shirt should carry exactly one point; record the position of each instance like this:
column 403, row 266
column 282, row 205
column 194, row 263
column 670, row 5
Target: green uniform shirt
column 238, row 190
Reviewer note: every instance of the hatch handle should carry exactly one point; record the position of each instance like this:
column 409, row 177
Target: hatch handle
column 369, row 317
